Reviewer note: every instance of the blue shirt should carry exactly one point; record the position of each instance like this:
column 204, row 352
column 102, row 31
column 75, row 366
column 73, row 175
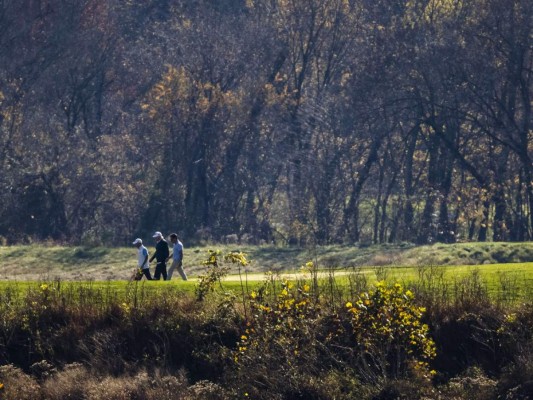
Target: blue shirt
column 177, row 254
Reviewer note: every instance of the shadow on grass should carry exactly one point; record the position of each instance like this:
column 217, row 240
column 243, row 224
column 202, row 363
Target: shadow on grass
column 79, row 254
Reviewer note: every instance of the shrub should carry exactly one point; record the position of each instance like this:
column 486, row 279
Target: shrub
column 291, row 336
column 516, row 342
column 77, row 382
column 278, row 334
column 388, row 332
column 215, row 271
column 472, row 384
column 70, row 383
column 15, row 384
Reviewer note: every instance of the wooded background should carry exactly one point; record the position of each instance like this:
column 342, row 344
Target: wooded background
column 287, row 121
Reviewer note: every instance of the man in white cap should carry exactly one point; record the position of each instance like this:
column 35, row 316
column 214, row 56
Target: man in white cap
column 161, row 254
column 142, row 261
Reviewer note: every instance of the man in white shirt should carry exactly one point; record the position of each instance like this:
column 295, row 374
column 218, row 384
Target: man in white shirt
column 177, row 258
column 142, row 261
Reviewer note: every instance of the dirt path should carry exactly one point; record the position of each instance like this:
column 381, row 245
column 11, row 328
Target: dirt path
column 124, row 274
column 292, row 275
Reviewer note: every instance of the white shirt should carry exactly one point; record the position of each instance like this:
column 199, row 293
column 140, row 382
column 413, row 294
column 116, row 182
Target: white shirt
column 142, row 254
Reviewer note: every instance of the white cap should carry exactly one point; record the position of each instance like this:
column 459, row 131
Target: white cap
column 137, row 241
column 157, row 234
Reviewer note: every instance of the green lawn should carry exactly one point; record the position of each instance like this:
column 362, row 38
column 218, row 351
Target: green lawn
column 36, row 262
column 109, row 269
column 511, row 280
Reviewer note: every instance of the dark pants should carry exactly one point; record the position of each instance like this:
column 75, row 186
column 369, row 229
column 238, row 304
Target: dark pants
column 160, row 269
column 145, row 272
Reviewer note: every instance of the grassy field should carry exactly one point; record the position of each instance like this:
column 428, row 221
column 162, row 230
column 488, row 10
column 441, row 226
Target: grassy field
column 510, row 282
column 501, row 267
column 39, row 262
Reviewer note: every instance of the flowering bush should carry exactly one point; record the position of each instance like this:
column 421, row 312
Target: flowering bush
column 388, row 330
column 277, row 346
column 281, row 326
column 215, row 271
column 377, row 335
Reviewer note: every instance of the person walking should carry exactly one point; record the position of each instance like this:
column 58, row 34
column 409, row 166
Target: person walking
column 142, row 261
column 161, row 255
column 177, row 257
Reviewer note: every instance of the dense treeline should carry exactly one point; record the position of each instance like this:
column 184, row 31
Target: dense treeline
column 294, row 121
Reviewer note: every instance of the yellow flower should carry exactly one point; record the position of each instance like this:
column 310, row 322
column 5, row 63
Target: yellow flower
column 243, row 337
column 253, row 295
column 306, row 288
column 510, row 318
column 44, row 286
column 301, row 304
column 349, row 305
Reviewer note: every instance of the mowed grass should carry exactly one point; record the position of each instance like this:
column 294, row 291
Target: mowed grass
column 108, row 270
column 42, row 262
column 510, row 281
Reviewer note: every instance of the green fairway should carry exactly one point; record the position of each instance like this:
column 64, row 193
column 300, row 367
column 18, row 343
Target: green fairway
column 39, row 262
column 109, row 269
column 514, row 280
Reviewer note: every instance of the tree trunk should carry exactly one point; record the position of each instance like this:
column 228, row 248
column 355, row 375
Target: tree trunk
column 408, row 214
column 426, row 232
column 499, row 231
column 351, row 213
column 484, row 225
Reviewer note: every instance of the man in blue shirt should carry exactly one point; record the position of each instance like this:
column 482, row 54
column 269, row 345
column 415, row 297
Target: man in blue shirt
column 177, row 257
